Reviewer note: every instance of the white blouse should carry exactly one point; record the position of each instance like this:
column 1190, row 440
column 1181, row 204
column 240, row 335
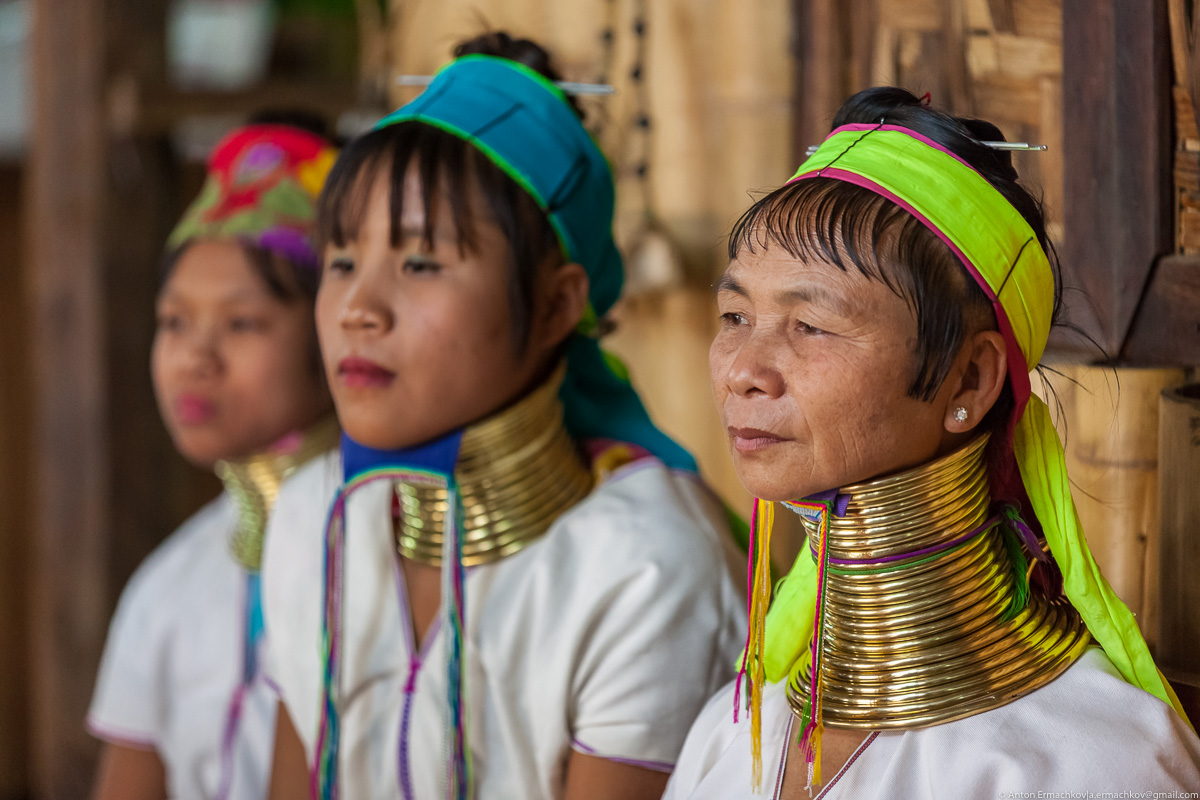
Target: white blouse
column 605, row 636
column 1086, row 731
column 172, row 676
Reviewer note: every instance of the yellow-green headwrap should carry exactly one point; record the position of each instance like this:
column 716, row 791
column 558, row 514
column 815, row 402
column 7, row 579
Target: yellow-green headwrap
column 1000, row 250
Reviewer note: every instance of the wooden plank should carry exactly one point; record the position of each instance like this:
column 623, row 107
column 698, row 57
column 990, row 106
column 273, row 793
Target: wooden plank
column 14, row 494
column 1167, row 327
column 818, row 85
column 1117, row 169
column 69, row 507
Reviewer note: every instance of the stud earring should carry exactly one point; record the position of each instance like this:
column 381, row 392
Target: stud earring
column 960, row 414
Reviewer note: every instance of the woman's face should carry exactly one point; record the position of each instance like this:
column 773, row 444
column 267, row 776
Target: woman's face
column 417, row 339
column 810, row 371
column 232, row 363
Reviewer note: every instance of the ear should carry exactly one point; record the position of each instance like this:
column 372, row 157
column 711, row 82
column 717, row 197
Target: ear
column 976, row 382
column 564, row 301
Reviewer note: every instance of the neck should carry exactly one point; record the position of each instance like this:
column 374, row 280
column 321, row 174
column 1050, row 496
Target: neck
column 926, row 611
column 254, row 483
column 516, row 472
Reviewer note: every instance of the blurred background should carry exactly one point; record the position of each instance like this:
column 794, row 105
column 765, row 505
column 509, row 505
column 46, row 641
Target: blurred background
column 107, row 110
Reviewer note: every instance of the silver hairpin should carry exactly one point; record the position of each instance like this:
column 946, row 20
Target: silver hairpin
column 812, row 148
column 570, row 87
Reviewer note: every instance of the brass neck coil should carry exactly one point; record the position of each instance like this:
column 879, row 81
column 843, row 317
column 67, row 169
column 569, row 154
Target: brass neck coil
column 254, row 483
column 925, row 640
column 517, row 472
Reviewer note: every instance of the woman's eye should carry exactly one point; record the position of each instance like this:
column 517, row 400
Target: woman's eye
column 732, row 319
column 341, row 264
column 418, row 265
column 807, row 330
column 244, row 324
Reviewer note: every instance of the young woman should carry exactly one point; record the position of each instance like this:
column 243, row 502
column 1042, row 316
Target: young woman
column 180, row 702
column 947, row 633
column 522, row 587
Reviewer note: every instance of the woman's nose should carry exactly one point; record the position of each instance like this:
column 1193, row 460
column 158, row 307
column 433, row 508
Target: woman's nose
column 754, row 369
column 201, row 354
column 365, row 310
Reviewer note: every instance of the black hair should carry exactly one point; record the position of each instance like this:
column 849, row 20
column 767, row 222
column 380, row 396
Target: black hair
column 848, row 225
column 448, row 164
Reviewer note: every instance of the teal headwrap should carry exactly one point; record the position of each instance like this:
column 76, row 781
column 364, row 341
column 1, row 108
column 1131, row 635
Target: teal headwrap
column 523, row 123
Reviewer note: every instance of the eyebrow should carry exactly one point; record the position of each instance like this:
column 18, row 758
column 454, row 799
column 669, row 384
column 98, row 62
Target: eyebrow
column 728, row 284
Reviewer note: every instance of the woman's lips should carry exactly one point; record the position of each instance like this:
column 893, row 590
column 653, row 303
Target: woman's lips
column 749, row 440
column 194, row 409
column 360, row 373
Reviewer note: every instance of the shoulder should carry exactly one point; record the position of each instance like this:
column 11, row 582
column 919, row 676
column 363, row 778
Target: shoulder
column 305, row 496
column 297, row 521
column 718, row 750
column 180, row 585
column 186, row 556
column 1088, row 727
column 646, row 514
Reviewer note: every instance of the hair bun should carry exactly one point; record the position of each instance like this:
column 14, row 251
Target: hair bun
column 524, row 51
column 871, row 105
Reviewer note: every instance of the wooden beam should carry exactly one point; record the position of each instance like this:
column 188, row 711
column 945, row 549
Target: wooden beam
column 69, row 507
column 1117, row 156
column 1166, row 329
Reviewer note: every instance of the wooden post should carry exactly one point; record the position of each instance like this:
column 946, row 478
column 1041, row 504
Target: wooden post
column 1117, row 157
column 1179, row 456
column 68, row 510
column 14, row 496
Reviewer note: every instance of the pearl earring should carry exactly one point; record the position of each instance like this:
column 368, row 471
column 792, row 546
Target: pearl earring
column 960, row 414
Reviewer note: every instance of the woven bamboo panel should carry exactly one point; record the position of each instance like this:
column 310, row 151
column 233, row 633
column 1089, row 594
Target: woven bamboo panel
column 1000, row 60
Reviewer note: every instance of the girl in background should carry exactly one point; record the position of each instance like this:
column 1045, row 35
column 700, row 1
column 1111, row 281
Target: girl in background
column 180, row 702
column 516, row 584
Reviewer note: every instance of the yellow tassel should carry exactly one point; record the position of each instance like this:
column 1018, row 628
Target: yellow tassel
column 760, row 600
column 816, row 749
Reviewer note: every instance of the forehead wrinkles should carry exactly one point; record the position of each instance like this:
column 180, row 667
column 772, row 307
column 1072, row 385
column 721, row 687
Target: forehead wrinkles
column 775, row 277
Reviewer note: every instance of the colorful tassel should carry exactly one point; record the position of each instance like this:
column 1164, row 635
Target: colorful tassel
column 324, row 777
column 458, row 766
column 811, row 725
column 758, row 586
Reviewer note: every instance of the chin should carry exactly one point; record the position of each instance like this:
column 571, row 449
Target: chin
column 200, row 453
column 379, row 434
column 770, row 482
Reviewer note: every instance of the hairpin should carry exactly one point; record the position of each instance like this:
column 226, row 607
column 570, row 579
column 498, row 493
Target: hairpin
column 812, row 148
column 570, row 87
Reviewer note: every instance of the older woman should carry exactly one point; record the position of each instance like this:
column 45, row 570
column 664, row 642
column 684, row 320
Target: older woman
column 946, row 633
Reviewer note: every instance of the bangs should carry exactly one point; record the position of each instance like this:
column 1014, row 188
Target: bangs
column 441, row 161
column 827, row 220
column 851, row 227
